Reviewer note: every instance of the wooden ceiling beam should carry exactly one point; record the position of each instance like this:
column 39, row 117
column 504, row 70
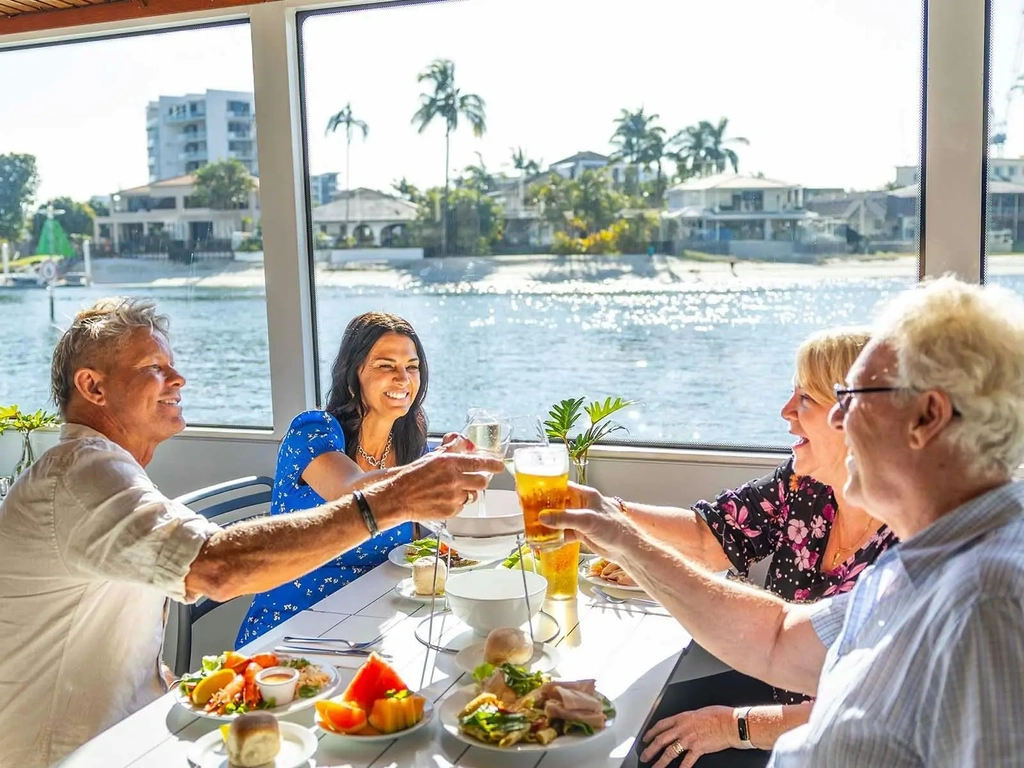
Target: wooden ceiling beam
column 112, row 10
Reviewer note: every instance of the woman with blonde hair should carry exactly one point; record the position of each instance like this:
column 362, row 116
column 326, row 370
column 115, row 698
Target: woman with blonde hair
column 818, row 545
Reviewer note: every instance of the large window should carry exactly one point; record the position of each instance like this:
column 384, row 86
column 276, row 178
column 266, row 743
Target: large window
column 143, row 151
column 1004, row 241
column 566, row 206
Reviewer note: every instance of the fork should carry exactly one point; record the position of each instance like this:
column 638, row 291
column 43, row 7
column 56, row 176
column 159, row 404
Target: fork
column 619, row 600
column 355, row 646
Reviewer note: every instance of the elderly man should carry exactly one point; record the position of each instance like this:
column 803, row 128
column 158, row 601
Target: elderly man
column 90, row 549
column 923, row 663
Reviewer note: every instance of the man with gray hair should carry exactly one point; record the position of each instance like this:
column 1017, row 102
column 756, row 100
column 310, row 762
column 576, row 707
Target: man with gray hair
column 923, row 662
column 90, row 549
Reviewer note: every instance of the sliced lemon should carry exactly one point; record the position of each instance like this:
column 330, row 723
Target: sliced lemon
column 210, row 685
column 224, row 731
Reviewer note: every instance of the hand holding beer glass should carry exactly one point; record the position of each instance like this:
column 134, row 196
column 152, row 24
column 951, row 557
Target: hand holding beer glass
column 542, row 483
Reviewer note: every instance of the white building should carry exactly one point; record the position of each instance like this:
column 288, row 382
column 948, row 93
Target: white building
column 999, row 169
column 739, row 209
column 186, row 132
column 145, row 220
column 571, row 167
column 322, row 188
column 368, row 217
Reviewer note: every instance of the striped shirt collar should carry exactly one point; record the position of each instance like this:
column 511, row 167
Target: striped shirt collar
column 922, row 554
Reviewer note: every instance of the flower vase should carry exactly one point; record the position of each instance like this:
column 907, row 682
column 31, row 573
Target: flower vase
column 27, row 454
column 580, row 469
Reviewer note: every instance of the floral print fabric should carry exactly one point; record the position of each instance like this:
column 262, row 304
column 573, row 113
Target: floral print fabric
column 311, row 434
column 787, row 518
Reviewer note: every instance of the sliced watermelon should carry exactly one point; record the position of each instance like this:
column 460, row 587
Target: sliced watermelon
column 373, row 680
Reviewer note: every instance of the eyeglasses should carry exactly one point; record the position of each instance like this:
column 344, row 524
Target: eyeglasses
column 844, row 395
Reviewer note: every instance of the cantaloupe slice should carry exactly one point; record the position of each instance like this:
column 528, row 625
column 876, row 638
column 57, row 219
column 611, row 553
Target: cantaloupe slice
column 341, row 716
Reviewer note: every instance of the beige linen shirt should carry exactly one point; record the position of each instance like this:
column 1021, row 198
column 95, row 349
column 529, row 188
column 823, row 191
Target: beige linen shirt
column 89, row 551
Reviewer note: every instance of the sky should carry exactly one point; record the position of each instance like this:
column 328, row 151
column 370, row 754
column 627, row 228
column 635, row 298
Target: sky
column 826, row 91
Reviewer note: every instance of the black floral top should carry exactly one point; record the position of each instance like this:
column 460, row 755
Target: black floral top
column 788, row 518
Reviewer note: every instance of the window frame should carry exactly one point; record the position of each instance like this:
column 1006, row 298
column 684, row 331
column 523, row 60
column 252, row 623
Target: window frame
column 952, row 195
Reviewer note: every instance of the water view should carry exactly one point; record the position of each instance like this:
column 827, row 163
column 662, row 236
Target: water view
column 709, row 359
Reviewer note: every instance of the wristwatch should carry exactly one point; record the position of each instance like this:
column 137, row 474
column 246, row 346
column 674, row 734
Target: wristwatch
column 744, row 728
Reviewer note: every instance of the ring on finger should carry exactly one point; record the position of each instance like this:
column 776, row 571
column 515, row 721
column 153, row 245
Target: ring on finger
column 677, row 748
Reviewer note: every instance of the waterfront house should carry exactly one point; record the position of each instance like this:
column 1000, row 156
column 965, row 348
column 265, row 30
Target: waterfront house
column 368, row 217
column 151, row 220
column 744, row 216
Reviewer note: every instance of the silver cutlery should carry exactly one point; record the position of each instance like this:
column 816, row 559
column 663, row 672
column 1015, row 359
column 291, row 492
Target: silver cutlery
column 355, row 646
column 293, row 649
column 619, row 600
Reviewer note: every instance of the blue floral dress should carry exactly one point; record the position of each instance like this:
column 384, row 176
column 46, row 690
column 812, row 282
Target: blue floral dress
column 311, row 434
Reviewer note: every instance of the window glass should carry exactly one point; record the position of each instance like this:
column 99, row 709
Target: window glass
column 1004, row 242
column 565, row 210
column 141, row 150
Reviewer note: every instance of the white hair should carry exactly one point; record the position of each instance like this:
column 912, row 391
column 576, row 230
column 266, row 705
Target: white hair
column 968, row 341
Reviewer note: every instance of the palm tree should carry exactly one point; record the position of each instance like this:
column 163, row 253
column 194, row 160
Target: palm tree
column 347, row 119
column 449, row 104
column 523, row 164
column 639, row 141
column 478, row 177
column 704, row 147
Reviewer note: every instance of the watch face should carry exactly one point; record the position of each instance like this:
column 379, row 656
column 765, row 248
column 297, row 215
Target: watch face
column 741, row 723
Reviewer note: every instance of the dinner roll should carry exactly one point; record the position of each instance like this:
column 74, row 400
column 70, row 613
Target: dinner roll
column 423, row 576
column 253, row 739
column 507, row 645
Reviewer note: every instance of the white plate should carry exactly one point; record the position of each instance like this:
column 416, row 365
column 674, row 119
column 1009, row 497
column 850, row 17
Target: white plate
column 503, row 517
column 354, row 738
column 604, row 583
column 296, row 705
column 397, row 556
column 449, row 716
column 406, row 589
column 545, row 658
column 298, row 744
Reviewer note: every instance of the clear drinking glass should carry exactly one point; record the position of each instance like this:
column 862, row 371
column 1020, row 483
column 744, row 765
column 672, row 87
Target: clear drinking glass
column 542, row 483
column 5, row 486
column 490, row 435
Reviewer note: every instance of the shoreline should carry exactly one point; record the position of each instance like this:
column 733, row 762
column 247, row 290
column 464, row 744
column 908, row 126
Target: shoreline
column 503, row 274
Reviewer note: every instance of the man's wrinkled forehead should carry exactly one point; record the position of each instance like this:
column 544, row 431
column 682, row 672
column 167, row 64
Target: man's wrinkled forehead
column 876, row 365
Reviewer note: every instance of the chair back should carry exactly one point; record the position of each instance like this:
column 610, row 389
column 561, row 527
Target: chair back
column 225, row 504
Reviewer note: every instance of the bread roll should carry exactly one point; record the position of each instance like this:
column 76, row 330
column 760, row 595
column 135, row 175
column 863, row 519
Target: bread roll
column 507, row 645
column 253, row 739
column 423, row 576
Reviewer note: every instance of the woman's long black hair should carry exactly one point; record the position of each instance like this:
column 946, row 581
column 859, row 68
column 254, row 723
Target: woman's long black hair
column 345, row 400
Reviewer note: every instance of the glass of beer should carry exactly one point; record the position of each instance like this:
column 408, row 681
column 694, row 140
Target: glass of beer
column 561, row 567
column 542, row 482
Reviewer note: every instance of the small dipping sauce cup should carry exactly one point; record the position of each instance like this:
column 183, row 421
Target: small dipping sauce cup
column 278, row 684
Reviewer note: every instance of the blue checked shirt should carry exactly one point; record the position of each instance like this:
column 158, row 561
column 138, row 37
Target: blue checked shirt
column 925, row 663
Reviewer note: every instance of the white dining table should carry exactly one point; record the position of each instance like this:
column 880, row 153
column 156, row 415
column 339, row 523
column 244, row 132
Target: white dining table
column 629, row 650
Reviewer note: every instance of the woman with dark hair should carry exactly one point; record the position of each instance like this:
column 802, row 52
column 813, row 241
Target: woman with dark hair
column 373, row 422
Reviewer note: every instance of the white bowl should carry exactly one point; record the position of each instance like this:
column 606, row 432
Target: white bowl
column 490, row 599
column 502, row 516
column 278, row 684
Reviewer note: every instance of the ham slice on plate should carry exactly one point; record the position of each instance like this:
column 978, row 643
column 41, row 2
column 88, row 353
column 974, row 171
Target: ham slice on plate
column 574, row 702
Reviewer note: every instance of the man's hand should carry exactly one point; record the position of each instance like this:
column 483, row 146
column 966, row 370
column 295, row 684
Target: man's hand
column 433, row 487
column 594, row 520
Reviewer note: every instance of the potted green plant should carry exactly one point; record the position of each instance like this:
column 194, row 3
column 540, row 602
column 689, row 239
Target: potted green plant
column 563, row 418
column 11, row 417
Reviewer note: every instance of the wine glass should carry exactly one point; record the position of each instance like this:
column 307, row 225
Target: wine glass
column 490, row 435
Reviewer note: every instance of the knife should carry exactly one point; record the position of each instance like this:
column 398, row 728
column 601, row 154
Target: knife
column 326, row 651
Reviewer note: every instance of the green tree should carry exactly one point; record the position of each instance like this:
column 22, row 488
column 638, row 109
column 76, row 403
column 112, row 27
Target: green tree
column 478, row 221
column 223, row 185
column 524, row 164
column 640, row 143
column 478, row 177
column 448, row 103
column 407, row 191
column 351, row 123
column 703, row 148
column 74, row 218
column 18, row 183
column 587, row 204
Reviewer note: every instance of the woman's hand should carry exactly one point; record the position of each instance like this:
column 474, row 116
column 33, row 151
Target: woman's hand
column 699, row 732
column 594, row 520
